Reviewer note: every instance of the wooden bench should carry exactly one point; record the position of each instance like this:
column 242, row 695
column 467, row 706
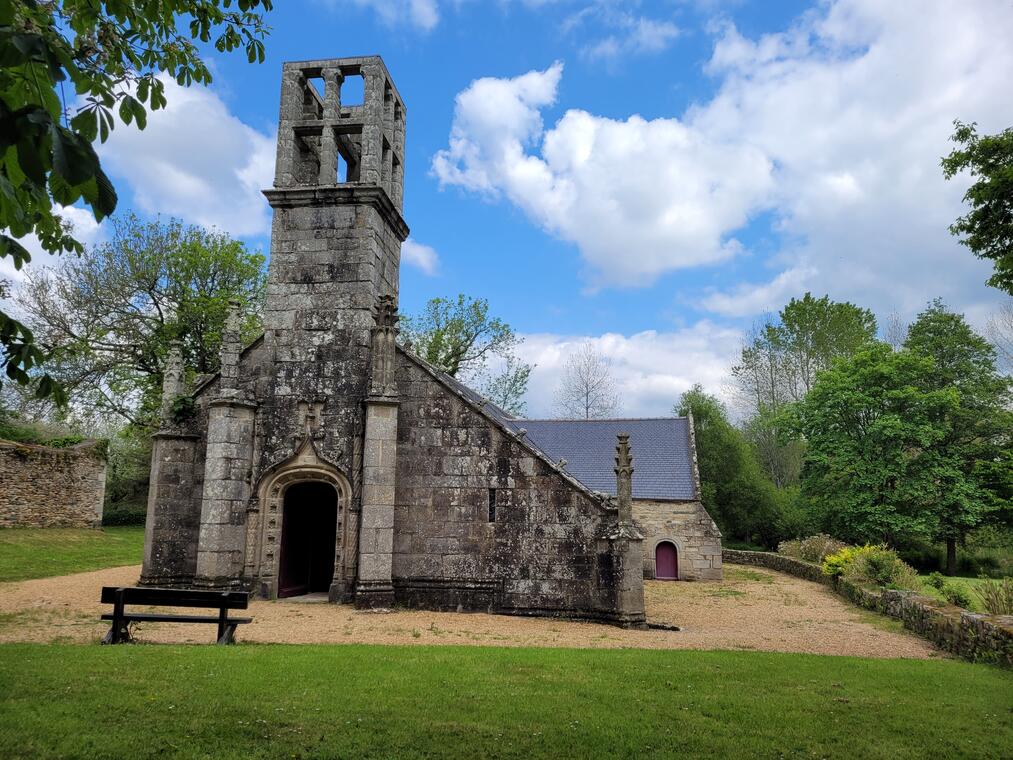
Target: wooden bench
column 224, row 601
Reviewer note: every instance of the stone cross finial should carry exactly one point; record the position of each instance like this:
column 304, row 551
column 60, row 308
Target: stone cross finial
column 384, row 334
column 231, row 347
column 172, row 378
column 624, row 478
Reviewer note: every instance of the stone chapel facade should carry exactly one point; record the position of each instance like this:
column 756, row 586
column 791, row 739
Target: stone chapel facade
column 325, row 458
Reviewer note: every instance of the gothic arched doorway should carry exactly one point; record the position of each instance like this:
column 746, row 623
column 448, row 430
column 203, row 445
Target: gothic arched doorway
column 666, row 562
column 308, row 534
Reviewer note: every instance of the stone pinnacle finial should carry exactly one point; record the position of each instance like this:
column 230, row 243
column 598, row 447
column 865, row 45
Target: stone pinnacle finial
column 172, row 378
column 231, row 347
column 384, row 334
column 624, row 478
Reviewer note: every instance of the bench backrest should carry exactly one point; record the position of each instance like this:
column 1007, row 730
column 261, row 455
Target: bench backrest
column 178, row 597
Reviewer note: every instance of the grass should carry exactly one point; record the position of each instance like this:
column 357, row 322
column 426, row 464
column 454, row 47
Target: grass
column 968, row 584
column 258, row 701
column 43, row 552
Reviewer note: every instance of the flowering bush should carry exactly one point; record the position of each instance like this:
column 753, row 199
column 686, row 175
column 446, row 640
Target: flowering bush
column 871, row 564
column 812, row 549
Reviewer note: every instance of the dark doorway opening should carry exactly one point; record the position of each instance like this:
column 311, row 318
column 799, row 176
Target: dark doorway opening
column 666, row 562
column 308, row 534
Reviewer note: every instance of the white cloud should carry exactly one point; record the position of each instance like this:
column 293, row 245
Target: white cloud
column 422, row 14
column 638, row 197
column 835, row 126
column 84, row 228
column 748, row 298
column 196, row 161
column 423, row 257
column 630, row 34
column 652, row 369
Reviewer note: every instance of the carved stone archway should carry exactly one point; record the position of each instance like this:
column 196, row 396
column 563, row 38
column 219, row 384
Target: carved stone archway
column 305, row 466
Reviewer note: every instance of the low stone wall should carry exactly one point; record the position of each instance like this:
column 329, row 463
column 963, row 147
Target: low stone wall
column 43, row 487
column 975, row 637
column 789, row 565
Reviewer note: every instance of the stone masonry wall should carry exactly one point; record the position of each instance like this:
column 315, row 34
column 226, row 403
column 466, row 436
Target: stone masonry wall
column 482, row 523
column 975, row 637
column 42, row 487
column 687, row 525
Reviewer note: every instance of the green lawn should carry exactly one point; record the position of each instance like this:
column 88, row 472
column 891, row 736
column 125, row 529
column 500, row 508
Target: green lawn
column 42, row 552
column 256, row 701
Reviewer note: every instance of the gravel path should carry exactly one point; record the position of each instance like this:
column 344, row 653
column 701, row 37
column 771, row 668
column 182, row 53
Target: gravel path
column 750, row 609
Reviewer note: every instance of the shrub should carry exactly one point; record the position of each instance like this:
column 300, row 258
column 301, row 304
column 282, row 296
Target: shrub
column 936, row 580
column 956, row 593
column 835, row 564
column 996, row 596
column 812, row 549
column 876, row 565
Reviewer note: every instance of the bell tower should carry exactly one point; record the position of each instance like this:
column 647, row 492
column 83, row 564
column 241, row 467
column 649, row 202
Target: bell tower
column 335, row 254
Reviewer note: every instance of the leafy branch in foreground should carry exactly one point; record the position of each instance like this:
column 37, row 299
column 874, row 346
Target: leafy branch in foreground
column 111, row 55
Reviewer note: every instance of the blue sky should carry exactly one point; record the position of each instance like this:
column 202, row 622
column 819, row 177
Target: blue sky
column 649, row 176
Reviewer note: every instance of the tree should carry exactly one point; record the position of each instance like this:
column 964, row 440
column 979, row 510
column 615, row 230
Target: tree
column 988, row 227
column 460, row 338
column 111, row 55
column 873, row 466
column 1000, row 334
column 507, row 388
column 735, row 492
column 785, row 355
column 587, row 389
column 107, row 318
column 780, row 364
column 978, row 430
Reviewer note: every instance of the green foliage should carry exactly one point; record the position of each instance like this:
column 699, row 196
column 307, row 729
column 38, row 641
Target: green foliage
column 276, row 701
column 736, row 493
column 779, row 366
column 813, row 549
column 127, row 476
column 108, row 318
column 936, row 580
column 835, row 564
column 182, row 409
column 996, row 596
column 458, row 335
column 876, row 565
column 460, row 338
column 987, row 229
column 111, row 54
column 15, row 428
column 977, row 487
column 507, row 388
column 956, row 593
column 873, row 468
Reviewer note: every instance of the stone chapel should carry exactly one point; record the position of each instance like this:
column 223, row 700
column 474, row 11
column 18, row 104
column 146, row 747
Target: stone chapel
column 326, row 458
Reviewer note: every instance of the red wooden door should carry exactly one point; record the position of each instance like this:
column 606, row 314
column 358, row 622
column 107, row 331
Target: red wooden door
column 666, row 562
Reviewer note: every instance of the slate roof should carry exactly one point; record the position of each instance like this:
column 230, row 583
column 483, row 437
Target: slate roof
column 662, row 453
column 661, row 448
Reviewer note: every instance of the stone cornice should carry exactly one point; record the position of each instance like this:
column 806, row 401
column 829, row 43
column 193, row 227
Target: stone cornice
column 346, row 193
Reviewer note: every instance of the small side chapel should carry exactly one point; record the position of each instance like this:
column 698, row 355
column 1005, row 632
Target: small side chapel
column 326, row 458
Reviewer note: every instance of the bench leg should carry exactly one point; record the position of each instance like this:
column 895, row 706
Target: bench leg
column 229, row 635
column 119, row 631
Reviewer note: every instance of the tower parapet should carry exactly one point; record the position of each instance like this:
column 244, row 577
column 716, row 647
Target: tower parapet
column 325, row 142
